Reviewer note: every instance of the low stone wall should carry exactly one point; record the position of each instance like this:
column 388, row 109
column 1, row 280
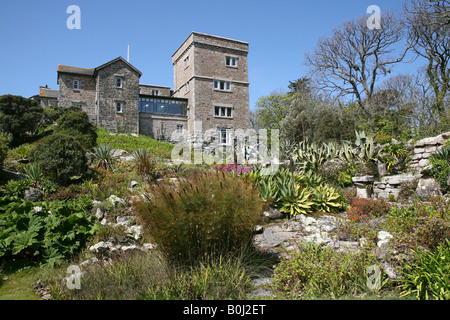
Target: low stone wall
column 423, row 149
column 416, row 179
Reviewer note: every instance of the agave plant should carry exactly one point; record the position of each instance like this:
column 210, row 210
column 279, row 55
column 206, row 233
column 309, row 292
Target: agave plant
column 441, row 154
column 34, row 173
column 297, row 201
column 268, row 189
column 326, row 199
column 103, row 155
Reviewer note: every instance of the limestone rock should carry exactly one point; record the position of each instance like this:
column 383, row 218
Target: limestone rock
column 33, row 195
column 427, row 188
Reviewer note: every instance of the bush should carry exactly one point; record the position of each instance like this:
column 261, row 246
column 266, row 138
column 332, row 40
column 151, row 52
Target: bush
column 429, row 276
column 32, row 233
column 3, row 150
column 77, row 125
column 16, row 188
column 20, row 117
column 61, row 158
column 370, row 208
column 314, row 271
column 440, row 167
column 205, row 214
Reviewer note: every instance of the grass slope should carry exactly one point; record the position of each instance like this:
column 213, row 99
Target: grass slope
column 131, row 143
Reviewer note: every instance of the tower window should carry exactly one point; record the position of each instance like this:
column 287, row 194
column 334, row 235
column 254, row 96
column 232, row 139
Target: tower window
column 76, row 84
column 118, row 82
column 231, row 61
column 223, row 112
column 222, row 85
column 119, row 107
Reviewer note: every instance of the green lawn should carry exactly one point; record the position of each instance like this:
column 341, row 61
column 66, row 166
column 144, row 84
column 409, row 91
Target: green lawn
column 131, row 143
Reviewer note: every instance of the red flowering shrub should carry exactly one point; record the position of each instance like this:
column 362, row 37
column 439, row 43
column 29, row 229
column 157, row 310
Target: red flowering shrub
column 361, row 209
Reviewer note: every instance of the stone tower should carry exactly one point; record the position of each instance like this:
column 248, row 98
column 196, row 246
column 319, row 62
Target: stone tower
column 212, row 73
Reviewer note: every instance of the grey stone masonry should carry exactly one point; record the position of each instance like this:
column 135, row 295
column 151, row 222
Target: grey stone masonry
column 212, row 72
column 210, row 76
column 110, row 116
column 423, row 149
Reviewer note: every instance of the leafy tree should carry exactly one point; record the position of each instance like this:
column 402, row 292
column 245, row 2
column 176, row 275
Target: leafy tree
column 19, row 116
column 61, row 158
column 271, row 109
column 77, row 125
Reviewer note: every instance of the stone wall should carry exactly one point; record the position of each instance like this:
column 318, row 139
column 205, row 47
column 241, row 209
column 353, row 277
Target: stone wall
column 207, row 62
column 150, row 124
column 415, row 179
column 85, row 95
column 108, row 117
column 423, row 149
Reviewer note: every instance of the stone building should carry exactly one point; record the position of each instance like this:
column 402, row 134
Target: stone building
column 210, row 85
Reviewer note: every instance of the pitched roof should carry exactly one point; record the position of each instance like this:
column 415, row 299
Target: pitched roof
column 49, row 93
column 68, row 69
column 92, row 72
column 119, row 59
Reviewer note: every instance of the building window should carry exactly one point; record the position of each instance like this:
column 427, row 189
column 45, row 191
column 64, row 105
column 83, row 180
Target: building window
column 78, row 104
column 223, row 112
column 76, row 84
column 231, row 61
column 119, row 107
column 155, row 92
column 186, row 87
column 118, row 82
column 224, row 136
column 186, row 62
column 179, row 128
column 222, row 85
column 165, row 106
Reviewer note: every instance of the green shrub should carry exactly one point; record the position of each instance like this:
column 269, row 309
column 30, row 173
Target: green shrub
column 429, row 276
column 315, row 271
column 204, row 214
column 440, row 167
column 20, row 117
column 77, row 125
column 4, row 142
column 61, row 158
column 28, row 232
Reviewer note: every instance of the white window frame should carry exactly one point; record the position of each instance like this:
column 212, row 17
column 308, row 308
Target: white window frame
column 223, row 112
column 220, row 132
column 232, row 60
column 121, row 82
column 76, row 85
column 218, row 84
column 117, row 104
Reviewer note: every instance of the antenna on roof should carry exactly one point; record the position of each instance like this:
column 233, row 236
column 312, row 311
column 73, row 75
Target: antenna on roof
column 128, row 53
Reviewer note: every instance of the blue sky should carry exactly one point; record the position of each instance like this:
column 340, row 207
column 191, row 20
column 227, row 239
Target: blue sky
column 35, row 38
